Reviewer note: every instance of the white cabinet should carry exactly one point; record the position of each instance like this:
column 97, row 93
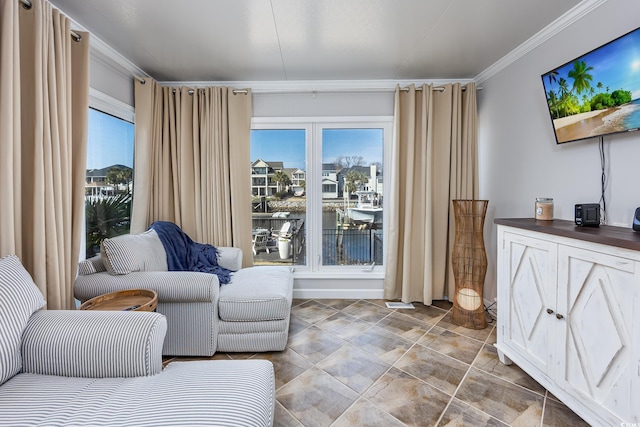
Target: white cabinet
column 531, row 290
column 569, row 315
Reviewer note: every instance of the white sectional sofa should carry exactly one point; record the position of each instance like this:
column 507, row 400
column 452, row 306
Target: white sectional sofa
column 250, row 314
column 99, row 368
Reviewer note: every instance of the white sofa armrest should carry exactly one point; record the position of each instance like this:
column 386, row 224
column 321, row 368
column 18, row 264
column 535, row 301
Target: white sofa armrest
column 230, row 258
column 93, row 344
column 171, row 286
column 91, row 265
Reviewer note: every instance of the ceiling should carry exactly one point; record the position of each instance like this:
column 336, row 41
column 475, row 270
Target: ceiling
column 287, row 40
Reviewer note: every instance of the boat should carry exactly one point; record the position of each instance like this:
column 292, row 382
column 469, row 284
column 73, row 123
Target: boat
column 367, row 209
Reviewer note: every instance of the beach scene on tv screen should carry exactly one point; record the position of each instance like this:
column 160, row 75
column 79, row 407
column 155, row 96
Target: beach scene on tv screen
column 598, row 93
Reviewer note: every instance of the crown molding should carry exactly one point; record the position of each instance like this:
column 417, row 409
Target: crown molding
column 572, row 15
column 107, row 55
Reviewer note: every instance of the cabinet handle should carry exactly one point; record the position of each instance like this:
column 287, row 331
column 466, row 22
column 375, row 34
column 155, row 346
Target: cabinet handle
column 549, row 311
column 559, row 316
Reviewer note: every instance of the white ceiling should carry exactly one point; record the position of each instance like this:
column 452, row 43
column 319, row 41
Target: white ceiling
column 286, row 40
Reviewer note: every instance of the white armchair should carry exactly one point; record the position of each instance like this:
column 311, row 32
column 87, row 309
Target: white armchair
column 104, row 368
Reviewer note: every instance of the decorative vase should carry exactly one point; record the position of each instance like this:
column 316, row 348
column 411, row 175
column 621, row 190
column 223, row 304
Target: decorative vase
column 469, row 260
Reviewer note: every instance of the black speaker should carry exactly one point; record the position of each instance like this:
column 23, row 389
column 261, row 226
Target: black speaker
column 636, row 220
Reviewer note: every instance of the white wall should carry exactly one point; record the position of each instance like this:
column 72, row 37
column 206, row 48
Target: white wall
column 519, row 159
column 322, row 104
column 110, row 79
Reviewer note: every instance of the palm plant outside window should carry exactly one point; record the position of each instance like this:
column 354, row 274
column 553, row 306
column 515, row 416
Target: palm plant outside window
column 109, row 179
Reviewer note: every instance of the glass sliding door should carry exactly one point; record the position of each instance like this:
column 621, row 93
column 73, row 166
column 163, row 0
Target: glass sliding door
column 352, row 196
column 279, row 201
column 318, row 193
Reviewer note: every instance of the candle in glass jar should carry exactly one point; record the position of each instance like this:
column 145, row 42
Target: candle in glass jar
column 544, row 208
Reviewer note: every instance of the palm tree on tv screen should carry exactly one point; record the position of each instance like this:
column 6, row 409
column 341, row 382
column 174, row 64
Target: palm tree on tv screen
column 563, row 87
column 553, row 77
column 581, row 77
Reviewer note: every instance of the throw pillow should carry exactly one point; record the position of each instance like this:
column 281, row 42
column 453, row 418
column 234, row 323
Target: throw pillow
column 19, row 299
column 134, row 252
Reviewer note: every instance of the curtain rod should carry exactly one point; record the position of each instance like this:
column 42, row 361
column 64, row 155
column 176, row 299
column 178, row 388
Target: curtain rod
column 28, row 5
column 190, row 92
column 438, row 88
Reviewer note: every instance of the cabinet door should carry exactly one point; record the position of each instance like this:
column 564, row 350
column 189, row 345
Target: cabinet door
column 527, row 286
column 596, row 296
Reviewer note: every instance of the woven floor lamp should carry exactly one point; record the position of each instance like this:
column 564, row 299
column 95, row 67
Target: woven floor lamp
column 469, row 260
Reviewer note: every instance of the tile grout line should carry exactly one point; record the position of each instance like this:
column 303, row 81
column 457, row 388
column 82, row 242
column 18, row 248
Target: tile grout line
column 415, row 343
column 391, row 366
column 453, row 395
column 361, row 395
column 512, row 383
column 394, row 364
column 544, row 406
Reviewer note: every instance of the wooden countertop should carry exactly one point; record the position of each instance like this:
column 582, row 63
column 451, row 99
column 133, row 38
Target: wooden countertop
column 605, row 234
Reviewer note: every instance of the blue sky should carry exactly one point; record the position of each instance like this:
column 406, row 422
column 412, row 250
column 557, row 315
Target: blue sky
column 616, row 65
column 288, row 145
column 110, row 141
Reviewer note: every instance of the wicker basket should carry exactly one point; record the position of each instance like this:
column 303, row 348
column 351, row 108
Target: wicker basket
column 469, row 260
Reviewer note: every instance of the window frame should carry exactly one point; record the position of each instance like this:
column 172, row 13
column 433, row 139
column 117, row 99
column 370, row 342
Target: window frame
column 106, row 104
column 313, row 127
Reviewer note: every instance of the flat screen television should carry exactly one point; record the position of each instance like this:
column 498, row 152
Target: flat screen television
column 597, row 93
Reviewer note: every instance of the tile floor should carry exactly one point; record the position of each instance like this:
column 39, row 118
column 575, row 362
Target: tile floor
column 358, row 363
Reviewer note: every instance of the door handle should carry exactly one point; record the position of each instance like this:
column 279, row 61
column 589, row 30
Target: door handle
column 549, row 311
column 559, row 316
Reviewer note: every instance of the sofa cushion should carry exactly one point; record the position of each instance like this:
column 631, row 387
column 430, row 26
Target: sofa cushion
column 134, row 252
column 195, row 393
column 257, row 294
column 19, row 299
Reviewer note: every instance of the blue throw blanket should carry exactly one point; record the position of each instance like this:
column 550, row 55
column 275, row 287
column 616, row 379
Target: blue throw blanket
column 183, row 254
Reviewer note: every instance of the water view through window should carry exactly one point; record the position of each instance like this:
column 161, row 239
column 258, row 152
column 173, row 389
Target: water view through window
column 352, row 211
column 108, row 182
column 345, row 183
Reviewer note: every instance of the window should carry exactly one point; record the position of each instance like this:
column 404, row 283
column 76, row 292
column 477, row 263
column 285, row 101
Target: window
column 108, row 180
column 352, row 208
column 278, row 205
column 329, row 192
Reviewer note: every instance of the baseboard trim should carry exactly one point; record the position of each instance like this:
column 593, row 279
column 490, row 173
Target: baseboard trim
column 338, row 293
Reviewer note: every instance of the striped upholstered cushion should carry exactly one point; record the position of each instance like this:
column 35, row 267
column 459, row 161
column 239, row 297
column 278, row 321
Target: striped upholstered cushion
column 203, row 393
column 93, row 344
column 253, row 342
column 91, row 265
column 257, row 294
column 171, row 286
column 134, row 252
column 19, row 299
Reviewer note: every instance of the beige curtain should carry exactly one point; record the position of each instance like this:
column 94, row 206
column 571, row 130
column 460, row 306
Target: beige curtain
column 434, row 160
column 44, row 103
column 191, row 163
